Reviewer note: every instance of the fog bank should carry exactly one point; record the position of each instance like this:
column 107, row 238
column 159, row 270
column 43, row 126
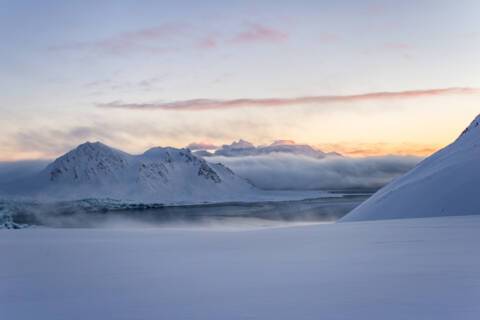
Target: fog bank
column 285, row 171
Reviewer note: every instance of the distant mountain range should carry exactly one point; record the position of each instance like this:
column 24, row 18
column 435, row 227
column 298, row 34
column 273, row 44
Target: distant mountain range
column 444, row 184
column 94, row 170
column 244, row 148
column 159, row 175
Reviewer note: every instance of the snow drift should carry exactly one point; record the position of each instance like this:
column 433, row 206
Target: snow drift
column 445, row 184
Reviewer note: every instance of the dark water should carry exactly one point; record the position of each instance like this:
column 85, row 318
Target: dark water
column 231, row 214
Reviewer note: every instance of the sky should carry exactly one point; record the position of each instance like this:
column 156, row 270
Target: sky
column 358, row 77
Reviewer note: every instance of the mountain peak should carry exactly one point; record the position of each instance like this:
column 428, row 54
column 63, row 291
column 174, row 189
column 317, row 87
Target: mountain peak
column 472, row 127
column 169, row 153
column 96, row 146
column 95, row 170
column 95, row 143
column 240, row 144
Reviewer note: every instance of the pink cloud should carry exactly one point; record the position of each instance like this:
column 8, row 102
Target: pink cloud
column 208, row 43
column 376, row 9
column 172, row 37
column 326, row 37
column 148, row 39
column 209, row 104
column 398, row 46
column 260, row 33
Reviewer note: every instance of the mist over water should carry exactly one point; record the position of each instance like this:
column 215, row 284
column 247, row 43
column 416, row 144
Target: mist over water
column 213, row 216
column 271, row 172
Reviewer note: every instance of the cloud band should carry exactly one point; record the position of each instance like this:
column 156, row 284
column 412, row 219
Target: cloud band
column 217, row 104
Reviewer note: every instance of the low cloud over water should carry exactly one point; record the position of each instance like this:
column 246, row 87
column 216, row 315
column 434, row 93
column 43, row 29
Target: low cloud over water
column 284, row 171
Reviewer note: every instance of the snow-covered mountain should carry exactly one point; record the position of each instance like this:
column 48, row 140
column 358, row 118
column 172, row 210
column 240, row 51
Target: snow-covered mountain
column 445, row 184
column 244, row 148
column 168, row 175
column 202, row 153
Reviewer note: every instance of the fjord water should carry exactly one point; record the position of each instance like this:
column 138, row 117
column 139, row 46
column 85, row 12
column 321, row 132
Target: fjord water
column 223, row 215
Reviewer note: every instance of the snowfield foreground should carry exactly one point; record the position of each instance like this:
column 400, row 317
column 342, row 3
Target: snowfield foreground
column 403, row 269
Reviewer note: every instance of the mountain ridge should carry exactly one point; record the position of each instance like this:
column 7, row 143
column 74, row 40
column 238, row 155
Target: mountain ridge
column 443, row 184
column 160, row 174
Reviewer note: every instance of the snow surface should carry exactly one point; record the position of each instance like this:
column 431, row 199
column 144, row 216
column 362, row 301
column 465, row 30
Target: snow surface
column 404, row 269
column 444, row 184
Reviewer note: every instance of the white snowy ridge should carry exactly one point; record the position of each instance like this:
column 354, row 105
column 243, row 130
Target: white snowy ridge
column 444, row 184
column 166, row 175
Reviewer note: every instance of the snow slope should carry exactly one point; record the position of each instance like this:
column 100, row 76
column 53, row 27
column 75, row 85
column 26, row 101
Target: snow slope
column 398, row 270
column 445, row 184
column 94, row 170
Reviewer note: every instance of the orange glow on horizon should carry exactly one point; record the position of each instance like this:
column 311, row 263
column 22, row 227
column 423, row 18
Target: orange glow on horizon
column 380, row 149
column 347, row 149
